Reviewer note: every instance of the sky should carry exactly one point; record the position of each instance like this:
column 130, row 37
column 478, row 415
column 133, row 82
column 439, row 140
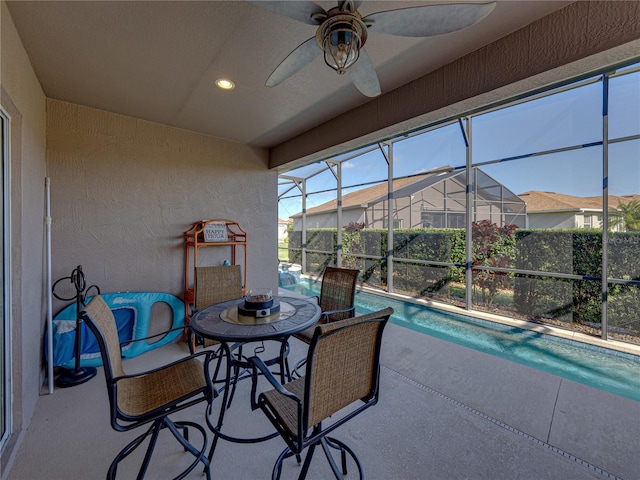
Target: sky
column 570, row 118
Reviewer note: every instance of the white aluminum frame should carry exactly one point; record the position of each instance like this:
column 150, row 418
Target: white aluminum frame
column 6, row 352
column 465, row 121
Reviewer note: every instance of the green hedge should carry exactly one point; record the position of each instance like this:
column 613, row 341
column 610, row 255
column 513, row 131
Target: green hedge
column 575, row 252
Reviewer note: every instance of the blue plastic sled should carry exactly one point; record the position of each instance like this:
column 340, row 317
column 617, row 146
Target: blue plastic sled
column 132, row 311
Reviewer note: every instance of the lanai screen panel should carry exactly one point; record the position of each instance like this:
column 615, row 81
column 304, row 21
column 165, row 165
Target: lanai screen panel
column 442, row 203
column 496, row 203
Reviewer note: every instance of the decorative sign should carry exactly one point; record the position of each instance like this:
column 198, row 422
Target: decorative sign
column 216, row 232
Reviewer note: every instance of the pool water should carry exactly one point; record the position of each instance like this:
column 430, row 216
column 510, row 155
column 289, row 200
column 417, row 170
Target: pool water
column 614, row 372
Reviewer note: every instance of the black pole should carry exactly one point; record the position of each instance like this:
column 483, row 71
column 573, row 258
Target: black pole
column 79, row 283
column 70, row 378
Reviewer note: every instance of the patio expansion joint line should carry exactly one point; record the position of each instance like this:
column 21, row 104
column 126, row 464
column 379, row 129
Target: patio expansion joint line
column 503, row 425
column 555, row 404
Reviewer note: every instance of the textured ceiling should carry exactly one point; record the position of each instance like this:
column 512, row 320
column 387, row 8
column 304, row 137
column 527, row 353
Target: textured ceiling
column 158, row 61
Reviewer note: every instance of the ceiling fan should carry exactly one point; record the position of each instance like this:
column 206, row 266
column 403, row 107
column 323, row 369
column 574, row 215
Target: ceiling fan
column 342, row 33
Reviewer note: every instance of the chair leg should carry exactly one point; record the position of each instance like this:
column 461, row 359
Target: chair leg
column 236, row 377
column 287, row 369
column 343, row 455
column 157, row 425
column 307, row 461
column 214, row 377
column 326, row 443
column 277, row 467
column 332, row 462
column 224, row 353
column 124, row 453
column 199, row 454
column 337, row 444
column 154, row 431
column 184, row 434
column 286, row 453
column 191, row 341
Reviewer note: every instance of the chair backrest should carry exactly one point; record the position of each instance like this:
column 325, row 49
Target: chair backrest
column 217, row 284
column 100, row 320
column 338, row 292
column 343, row 365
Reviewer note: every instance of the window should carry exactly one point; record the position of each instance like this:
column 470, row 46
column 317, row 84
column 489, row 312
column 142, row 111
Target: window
column 397, row 223
column 432, row 219
column 456, row 220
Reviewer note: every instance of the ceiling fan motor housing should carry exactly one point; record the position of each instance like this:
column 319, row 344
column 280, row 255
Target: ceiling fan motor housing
column 340, row 37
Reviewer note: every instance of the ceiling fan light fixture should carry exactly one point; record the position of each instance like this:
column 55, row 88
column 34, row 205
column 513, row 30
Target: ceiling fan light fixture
column 341, row 37
column 342, row 33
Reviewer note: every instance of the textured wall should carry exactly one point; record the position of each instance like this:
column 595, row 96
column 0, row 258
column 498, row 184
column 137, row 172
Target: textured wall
column 23, row 100
column 124, row 191
column 579, row 38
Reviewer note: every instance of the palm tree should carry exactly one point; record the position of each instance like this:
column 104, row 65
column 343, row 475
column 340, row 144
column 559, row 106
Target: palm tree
column 627, row 215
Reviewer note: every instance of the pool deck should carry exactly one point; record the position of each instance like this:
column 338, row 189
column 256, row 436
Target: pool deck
column 445, row 412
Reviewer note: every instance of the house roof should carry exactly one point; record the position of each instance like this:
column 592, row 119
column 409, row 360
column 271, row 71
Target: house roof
column 538, row 201
column 402, row 187
column 362, row 197
column 616, row 200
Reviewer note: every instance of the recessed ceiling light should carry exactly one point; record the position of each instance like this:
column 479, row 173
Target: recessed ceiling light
column 225, row 84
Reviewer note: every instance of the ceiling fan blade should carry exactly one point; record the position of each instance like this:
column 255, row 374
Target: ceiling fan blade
column 349, row 5
column 428, row 20
column 364, row 76
column 300, row 57
column 303, row 11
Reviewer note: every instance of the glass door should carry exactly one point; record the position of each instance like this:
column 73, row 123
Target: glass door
column 5, row 391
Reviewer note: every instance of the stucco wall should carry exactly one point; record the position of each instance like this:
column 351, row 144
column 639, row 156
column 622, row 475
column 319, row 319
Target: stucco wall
column 23, row 100
column 124, row 191
column 552, row 220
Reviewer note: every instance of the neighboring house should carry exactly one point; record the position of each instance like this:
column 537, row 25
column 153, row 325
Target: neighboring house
column 282, row 229
column 435, row 199
column 557, row 210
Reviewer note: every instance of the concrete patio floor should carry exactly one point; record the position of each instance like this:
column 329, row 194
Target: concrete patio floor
column 445, row 412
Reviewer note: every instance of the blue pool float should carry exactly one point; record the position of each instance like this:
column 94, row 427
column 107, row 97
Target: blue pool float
column 132, row 311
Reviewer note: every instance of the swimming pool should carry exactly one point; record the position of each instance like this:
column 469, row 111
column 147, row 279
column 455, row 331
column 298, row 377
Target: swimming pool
column 614, row 372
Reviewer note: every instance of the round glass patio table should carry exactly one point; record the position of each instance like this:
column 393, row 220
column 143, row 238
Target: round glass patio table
column 223, row 323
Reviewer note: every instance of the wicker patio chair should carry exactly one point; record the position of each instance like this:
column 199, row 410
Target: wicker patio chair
column 214, row 285
column 150, row 397
column 343, row 368
column 336, row 300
